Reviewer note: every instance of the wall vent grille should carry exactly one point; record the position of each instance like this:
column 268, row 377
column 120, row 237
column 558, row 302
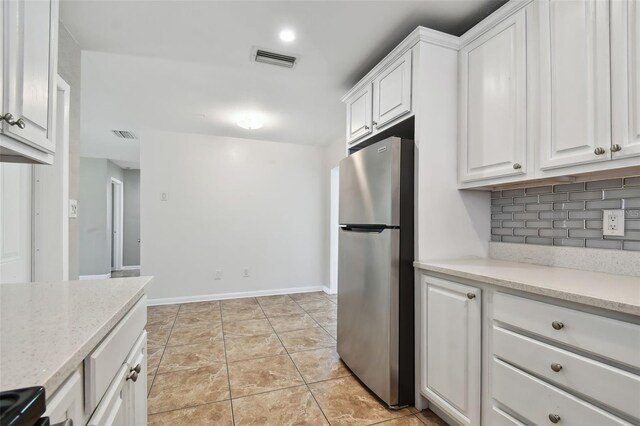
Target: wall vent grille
column 273, row 58
column 124, row 134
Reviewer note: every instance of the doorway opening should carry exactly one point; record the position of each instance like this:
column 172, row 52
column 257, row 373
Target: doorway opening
column 334, row 228
column 115, row 213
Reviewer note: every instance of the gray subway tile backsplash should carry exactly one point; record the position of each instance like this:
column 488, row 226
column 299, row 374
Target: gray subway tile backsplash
column 603, row 184
column 567, row 214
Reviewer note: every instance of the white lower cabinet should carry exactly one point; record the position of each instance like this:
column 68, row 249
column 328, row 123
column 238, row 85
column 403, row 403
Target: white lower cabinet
column 125, row 401
column 507, row 359
column 450, row 351
column 110, row 387
column 67, row 402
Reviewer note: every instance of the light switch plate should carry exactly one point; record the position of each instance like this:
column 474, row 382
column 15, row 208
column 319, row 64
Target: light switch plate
column 613, row 223
column 73, row 209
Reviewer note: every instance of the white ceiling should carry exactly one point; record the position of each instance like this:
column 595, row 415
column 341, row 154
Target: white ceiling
column 184, row 65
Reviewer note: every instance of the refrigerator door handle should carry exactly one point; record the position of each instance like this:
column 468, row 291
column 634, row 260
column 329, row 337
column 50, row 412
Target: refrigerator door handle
column 367, row 229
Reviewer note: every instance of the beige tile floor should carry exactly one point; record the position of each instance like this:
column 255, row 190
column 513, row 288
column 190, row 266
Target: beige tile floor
column 257, row 361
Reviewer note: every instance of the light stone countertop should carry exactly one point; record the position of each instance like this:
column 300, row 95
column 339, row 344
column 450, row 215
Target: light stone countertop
column 618, row 293
column 48, row 328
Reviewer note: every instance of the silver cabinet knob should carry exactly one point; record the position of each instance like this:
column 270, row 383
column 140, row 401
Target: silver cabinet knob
column 557, row 325
column 471, row 295
column 615, row 147
column 366, row 127
column 599, row 151
column 375, row 123
column 517, row 166
column 556, row 367
column 132, row 376
column 554, row 418
column 137, row 368
column 8, row 117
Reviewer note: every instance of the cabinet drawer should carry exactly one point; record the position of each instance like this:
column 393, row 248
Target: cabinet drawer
column 606, row 337
column 536, row 400
column 614, row 387
column 102, row 365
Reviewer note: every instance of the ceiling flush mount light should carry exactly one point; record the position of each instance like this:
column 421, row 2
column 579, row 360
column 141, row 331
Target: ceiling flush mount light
column 250, row 123
column 287, row 35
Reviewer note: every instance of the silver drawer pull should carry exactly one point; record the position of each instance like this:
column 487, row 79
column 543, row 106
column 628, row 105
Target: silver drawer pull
column 599, row 151
column 554, row 418
column 556, row 367
column 471, row 295
column 137, row 368
column 557, row 325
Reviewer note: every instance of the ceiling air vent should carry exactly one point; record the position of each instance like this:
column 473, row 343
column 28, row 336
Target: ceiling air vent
column 273, row 58
column 124, row 134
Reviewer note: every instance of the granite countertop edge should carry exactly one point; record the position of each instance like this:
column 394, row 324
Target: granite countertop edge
column 454, row 268
column 54, row 381
column 57, row 377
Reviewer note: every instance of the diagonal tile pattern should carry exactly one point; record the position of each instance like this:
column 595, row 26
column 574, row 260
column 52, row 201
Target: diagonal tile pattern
column 268, row 360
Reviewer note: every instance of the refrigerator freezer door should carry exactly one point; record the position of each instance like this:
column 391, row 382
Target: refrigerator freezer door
column 370, row 185
column 368, row 308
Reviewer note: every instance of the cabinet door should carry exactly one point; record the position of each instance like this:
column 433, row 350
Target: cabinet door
column 625, row 78
column 114, row 409
column 359, row 115
column 392, row 91
column 572, row 64
column 493, row 116
column 68, row 401
column 30, row 67
column 137, row 390
column 450, row 348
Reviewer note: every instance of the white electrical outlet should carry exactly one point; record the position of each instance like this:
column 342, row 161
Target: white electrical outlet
column 613, row 223
column 246, row 272
column 218, row 274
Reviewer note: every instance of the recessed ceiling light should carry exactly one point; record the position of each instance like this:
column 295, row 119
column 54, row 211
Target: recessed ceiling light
column 287, row 35
column 250, row 123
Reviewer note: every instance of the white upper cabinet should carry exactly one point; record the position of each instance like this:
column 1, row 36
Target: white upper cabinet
column 572, row 63
column 625, row 78
column 493, row 84
column 392, row 91
column 359, row 114
column 29, row 53
column 450, row 350
column 384, row 97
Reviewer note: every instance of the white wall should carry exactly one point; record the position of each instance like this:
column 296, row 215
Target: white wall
column 450, row 223
column 69, row 67
column 232, row 204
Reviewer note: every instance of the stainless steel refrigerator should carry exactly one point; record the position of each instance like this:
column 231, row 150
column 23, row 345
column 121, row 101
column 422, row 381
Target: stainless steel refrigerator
column 375, row 271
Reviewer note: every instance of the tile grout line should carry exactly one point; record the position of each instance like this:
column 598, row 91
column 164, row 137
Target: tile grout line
column 298, row 370
column 164, row 348
column 224, row 344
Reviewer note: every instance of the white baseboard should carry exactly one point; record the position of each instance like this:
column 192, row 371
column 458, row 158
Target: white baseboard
column 130, row 268
column 223, row 296
column 327, row 290
column 95, row 277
